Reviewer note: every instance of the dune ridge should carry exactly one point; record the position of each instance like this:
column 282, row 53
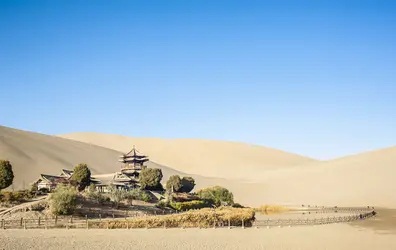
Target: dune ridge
column 222, row 159
column 358, row 180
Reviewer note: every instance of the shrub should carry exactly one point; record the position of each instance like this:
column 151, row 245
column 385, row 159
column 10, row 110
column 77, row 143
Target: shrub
column 6, row 174
column 237, row 205
column 138, row 194
column 188, row 205
column 95, row 195
column 81, row 175
column 188, row 184
column 117, row 195
column 181, row 197
column 174, row 183
column 162, row 204
column 150, row 179
column 16, row 196
column 63, row 200
column 217, row 195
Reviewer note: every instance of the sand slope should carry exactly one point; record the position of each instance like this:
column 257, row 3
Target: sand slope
column 273, row 176
column 363, row 179
column 33, row 153
column 222, row 159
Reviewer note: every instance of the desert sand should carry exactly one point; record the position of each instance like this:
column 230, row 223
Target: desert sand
column 269, row 175
column 259, row 176
column 230, row 160
column 256, row 175
column 337, row 236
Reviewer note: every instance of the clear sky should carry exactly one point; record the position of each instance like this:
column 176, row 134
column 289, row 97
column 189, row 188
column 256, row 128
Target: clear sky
column 317, row 78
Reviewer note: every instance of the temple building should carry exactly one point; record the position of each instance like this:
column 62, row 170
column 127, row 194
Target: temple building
column 132, row 162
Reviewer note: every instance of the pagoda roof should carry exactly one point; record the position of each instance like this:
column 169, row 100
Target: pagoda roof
column 134, row 153
column 133, row 160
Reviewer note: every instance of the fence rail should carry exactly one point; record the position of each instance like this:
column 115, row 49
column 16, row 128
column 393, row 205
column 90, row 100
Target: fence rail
column 70, row 222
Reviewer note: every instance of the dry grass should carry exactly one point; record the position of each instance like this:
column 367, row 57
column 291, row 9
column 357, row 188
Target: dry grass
column 272, row 208
column 204, row 218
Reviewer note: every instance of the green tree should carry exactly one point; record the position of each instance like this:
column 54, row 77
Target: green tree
column 6, row 174
column 82, row 176
column 188, row 184
column 150, row 179
column 63, row 200
column 174, row 182
column 217, row 195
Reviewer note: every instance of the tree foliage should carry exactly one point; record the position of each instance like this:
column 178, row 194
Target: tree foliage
column 63, row 200
column 174, row 183
column 150, row 179
column 6, row 174
column 81, row 175
column 188, row 184
column 218, row 195
column 117, row 195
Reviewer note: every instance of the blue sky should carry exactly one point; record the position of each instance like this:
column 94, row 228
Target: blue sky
column 317, row 78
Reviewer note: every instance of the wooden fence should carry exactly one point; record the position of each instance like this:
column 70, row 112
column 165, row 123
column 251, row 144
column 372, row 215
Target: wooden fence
column 70, row 222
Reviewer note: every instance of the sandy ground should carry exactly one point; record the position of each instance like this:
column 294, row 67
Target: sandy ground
column 337, row 237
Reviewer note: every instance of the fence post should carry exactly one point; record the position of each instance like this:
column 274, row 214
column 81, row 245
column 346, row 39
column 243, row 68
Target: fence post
column 243, row 223
column 71, row 219
column 24, row 224
column 107, row 224
column 164, row 224
column 39, row 221
column 127, row 223
column 56, row 220
column 86, row 221
column 100, row 218
column 21, row 222
column 229, row 223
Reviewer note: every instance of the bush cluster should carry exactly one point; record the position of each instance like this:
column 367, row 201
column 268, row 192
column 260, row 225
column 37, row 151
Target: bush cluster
column 6, row 174
column 63, row 200
column 150, row 179
column 188, row 205
column 217, row 195
column 177, row 184
column 16, row 196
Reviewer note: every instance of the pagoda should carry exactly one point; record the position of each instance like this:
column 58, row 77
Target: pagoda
column 133, row 161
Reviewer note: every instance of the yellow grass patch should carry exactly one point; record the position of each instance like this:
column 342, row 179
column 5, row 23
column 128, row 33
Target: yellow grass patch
column 206, row 217
column 272, row 208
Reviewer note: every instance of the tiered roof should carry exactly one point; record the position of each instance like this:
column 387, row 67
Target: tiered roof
column 133, row 157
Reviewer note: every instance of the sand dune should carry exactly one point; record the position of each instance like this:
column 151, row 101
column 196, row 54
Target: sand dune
column 230, row 160
column 272, row 176
column 363, row 179
column 33, row 153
